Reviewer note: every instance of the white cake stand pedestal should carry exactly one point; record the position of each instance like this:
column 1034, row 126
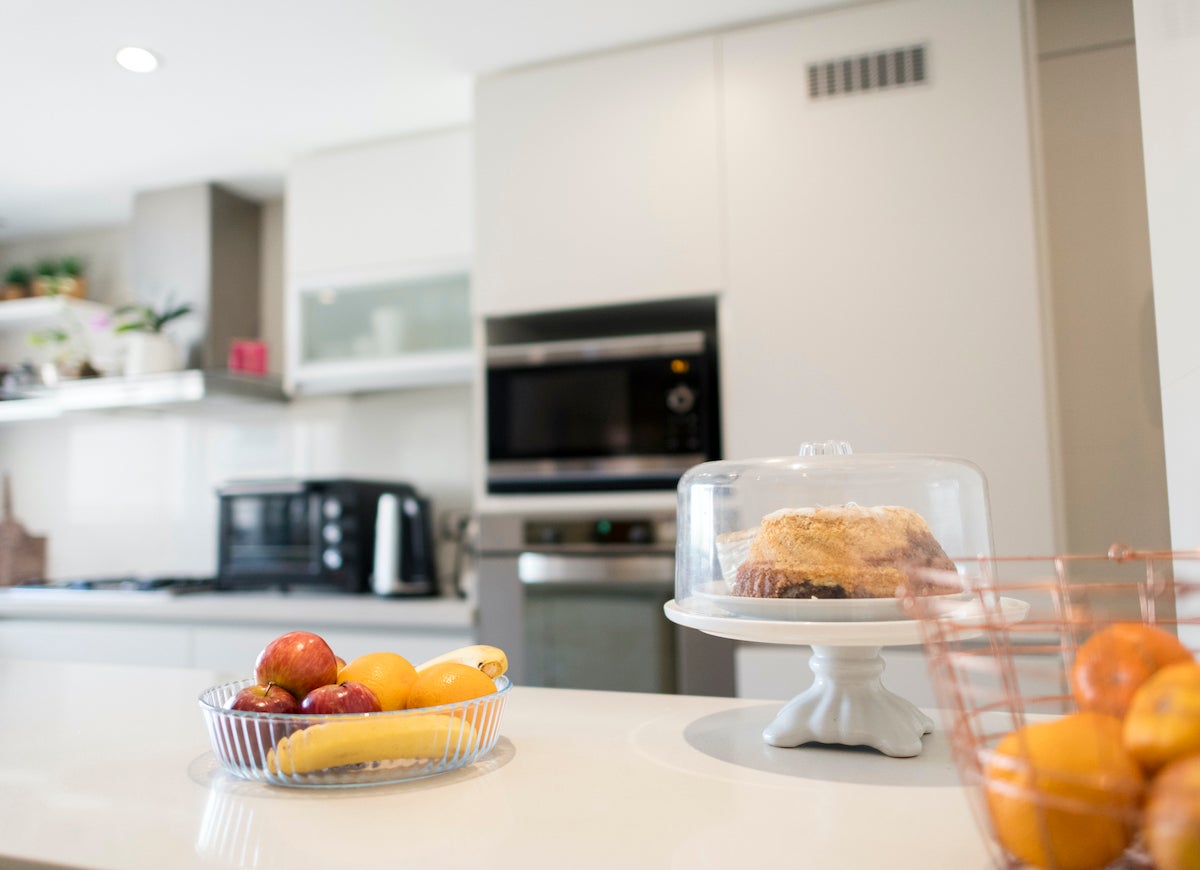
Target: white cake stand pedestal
column 847, row 703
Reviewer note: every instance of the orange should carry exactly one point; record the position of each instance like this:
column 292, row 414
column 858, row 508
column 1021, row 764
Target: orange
column 1064, row 794
column 389, row 675
column 1117, row 659
column 449, row 683
column 1163, row 722
column 1172, row 816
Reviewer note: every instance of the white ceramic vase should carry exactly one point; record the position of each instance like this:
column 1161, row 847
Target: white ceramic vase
column 148, row 353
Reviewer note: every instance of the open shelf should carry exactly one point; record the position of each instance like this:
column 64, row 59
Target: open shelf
column 145, row 391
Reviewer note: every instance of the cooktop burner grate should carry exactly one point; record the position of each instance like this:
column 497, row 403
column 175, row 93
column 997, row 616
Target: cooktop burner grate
column 173, row 585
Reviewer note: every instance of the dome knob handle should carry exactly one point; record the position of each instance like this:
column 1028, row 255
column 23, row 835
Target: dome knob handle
column 825, row 448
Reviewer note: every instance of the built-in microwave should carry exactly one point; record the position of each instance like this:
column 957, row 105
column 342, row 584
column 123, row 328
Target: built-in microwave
column 628, row 412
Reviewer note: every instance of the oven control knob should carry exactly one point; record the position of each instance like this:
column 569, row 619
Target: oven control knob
column 333, row 559
column 332, row 533
column 640, row 533
column 332, row 508
column 681, row 399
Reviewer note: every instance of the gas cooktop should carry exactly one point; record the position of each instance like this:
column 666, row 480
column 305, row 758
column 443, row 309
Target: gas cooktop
column 164, row 585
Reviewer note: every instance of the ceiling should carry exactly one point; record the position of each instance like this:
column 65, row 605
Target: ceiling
column 245, row 86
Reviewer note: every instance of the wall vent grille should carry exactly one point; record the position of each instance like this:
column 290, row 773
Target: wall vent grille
column 859, row 74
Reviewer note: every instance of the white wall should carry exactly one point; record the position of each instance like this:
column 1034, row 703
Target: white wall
column 103, row 251
column 1168, row 38
column 883, row 259
column 1106, row 361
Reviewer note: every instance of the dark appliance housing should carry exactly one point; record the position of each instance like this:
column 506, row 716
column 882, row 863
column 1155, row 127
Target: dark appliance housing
column 325, row 534
column 607, row 413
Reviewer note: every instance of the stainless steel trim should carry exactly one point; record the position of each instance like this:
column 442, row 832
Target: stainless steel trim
column 591, row 349
column 601, row 466
column 556, row 568
column 263, row 487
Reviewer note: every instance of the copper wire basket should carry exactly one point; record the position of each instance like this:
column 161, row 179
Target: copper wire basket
column 992, row 676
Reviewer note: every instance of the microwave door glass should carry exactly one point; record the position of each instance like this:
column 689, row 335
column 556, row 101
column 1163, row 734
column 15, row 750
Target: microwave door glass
column 565, row 413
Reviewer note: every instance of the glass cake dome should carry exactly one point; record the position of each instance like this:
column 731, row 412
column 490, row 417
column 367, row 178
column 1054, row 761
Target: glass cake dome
column 824, row 535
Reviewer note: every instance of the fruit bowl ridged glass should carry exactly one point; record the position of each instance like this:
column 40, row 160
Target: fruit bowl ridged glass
column 252, row 745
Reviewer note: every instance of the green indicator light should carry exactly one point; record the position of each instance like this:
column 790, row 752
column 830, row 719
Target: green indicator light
column 604, row 527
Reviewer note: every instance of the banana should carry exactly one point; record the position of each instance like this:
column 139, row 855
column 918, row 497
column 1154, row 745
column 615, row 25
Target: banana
column 357, row 741
column 489, row 659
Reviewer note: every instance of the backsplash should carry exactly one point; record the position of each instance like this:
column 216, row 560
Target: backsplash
column 134, row 492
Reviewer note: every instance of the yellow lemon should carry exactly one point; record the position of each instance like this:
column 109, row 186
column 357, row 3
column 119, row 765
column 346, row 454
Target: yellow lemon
column 389, row 675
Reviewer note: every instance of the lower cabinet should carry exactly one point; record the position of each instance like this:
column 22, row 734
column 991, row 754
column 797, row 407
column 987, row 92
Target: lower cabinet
column 230, row 649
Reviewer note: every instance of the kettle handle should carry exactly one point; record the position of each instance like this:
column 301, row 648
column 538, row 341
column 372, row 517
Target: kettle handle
column 420, row 540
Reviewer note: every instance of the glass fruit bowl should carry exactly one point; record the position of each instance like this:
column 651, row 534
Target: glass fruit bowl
column 296, row 749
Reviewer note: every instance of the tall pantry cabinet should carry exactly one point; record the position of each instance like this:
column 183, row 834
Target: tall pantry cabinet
column 882, row 258
column 874, row 251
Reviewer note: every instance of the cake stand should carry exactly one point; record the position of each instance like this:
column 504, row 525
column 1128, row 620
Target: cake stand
column 847, row 703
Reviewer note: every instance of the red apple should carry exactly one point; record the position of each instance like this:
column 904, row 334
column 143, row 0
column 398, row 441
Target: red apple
column 345, row 698
column 299, row 661
column 265, row 699
column 246, row 740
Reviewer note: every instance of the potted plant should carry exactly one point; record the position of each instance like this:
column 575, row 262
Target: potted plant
column 70, row 278
column 45, row 281
column 148, row 349
column 16, row 283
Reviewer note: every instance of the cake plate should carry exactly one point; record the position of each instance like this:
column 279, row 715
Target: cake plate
column 847, row 703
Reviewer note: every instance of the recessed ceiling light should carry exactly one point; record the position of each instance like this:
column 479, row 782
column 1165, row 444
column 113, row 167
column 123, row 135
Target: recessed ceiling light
column 137, row 59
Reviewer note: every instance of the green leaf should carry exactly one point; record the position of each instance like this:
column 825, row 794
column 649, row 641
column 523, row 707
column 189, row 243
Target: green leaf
column 18, row 275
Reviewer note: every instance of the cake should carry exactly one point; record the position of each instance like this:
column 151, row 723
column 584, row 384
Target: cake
column 839, row 552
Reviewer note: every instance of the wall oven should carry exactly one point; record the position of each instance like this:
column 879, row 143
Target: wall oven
column 626, row 412
column 576, row 600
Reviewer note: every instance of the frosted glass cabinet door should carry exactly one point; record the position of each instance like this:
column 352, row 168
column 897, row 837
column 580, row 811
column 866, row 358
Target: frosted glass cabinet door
column 382, row 333
column 384, row 319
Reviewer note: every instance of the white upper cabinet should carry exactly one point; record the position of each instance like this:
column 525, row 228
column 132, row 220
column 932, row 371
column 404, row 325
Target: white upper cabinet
column 382, row 206
column 379, row 241
column 884, row 281
column 598, row 180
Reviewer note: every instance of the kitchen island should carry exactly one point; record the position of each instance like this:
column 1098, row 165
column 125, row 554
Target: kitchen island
column 110, row 767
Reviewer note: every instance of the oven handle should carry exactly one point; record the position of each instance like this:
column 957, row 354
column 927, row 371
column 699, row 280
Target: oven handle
column 562, row 568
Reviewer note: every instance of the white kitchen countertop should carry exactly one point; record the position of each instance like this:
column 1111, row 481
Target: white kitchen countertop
column 283, row 608
column 110, row 767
